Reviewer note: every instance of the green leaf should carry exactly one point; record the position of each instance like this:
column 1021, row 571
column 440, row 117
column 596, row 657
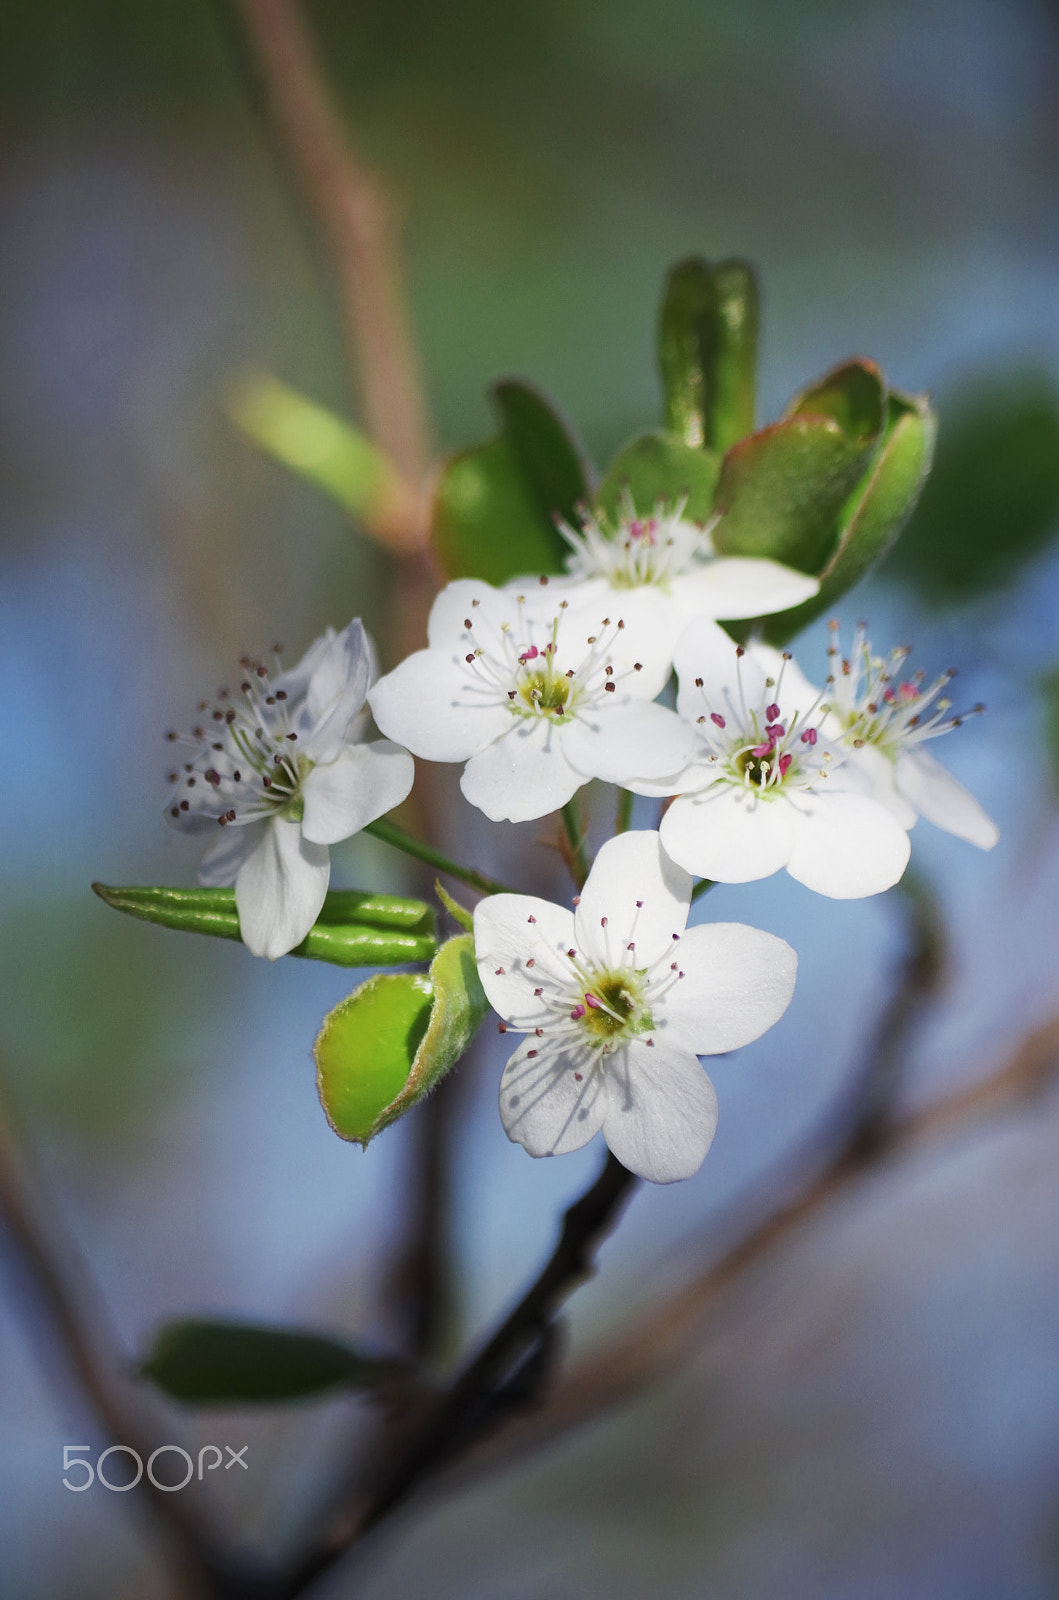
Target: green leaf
column 659, row 466
column 494, row 506
column 236, row 1363
column 853, row 395
column 313, row 442
column 783, row 490
column 875, row 512
column 392, row 1040
column 354, row 929
column 707, row 344
column 991, row 502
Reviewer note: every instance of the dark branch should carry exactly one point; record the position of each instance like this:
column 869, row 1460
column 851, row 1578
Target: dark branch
column 506, row 1371
column 669, row 1333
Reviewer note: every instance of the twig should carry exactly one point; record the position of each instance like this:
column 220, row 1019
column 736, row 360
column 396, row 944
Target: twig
column 361, row 227
column 421, row 1278
column 477, row 1396
column 572, row 841
column 391, row 834
column 90, row 1350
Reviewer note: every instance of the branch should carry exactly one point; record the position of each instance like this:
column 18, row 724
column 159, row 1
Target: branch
column 361, row 227
column 668, row 1335
column 91, row 1352
column 506, row 1372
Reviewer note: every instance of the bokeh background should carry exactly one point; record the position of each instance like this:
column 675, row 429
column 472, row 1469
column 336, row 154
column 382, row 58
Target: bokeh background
column 874, row 1411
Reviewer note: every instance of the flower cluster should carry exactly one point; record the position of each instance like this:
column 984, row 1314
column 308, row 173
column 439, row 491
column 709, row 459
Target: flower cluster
column 536, row 689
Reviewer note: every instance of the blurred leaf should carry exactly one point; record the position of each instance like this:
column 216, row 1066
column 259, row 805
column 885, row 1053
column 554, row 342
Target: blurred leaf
column 783, row 490
column 991, row 502
column 90, row 1035
column 659, row 466
column 388, row 1043
column 875, row 512
column 1050, row 695
column 233, row 1363
column 313, row 442
column 708, row 351
column 354, row 929
column 494, row 506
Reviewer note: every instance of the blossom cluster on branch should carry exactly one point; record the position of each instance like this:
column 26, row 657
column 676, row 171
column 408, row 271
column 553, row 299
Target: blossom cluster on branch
column 537, row 687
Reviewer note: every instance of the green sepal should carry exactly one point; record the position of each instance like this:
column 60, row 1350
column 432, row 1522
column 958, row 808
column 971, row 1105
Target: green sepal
column 707, row 349
column 494, row 509
column 783, row 490
column 392, row 1040
column 201, row 1362
column 659, row 466
column 458, row 913
column 313, row 442
column 354, row 928
column 875, row 512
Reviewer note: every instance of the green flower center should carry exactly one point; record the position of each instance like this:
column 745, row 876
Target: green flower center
column 756, row 770
column 614, row 1005
column 545, row 691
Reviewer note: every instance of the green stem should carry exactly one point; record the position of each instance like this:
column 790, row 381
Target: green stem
column 391, row 834
column 623, row 820
column 579, row 864
column 701, row 888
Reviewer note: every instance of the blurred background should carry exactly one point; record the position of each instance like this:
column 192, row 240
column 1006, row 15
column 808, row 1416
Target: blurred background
column 874, row 1410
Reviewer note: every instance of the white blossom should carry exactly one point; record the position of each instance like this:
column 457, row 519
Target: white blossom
column 767, row 788
column 536, row 694
column 665, row 561
column 886, row 716
column 616, row 1000
column 281, row 770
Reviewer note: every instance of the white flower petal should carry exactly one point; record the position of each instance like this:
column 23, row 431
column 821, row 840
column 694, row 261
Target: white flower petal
column 280, row 889
column 434, row 705
column 939, row 797
column 737, row 982
column 647, row 635
column 334, row 693
column 794, row 692
column 627, row 740
column 522, row 775
column 661, row 1111
column 361, row 784
column 739, row 586
column 696, row 775
column 544, row 1107
column 509, row 930
column 727, row 833
column 231, row 846
column 295, row 680
column 880, row 775
column 631, row 868
column 729, row 680
column 846, row 846
column 470, row 600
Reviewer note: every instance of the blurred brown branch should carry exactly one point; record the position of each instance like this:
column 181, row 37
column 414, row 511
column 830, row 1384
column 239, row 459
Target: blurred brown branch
column 75, row 1319
column 360, row 224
